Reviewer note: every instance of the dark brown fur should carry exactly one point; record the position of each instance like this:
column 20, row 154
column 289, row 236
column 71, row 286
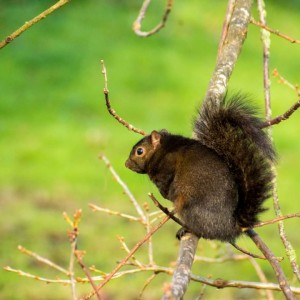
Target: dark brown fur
column 217, row 181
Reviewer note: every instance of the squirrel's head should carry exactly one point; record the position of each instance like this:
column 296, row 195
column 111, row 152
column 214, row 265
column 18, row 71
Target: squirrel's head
column 143, row 151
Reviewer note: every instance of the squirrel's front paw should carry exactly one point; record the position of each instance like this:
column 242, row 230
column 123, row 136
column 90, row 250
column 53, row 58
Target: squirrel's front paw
column 181, row 232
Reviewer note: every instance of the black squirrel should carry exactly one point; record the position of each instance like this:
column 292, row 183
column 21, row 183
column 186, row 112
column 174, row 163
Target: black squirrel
column 219, row 179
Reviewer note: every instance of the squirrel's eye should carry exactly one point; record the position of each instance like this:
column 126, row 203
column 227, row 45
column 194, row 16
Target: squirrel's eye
column 139, row 151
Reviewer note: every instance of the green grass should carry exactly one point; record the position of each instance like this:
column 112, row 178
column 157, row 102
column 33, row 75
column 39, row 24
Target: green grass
column 54, row 124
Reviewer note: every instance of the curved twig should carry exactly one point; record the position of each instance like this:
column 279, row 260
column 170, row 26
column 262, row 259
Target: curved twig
column 137, row 24
column 111, row 110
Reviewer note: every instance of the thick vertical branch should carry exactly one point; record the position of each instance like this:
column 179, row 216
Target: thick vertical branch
column 181, row 276
column 229, row 51
column 233, row 37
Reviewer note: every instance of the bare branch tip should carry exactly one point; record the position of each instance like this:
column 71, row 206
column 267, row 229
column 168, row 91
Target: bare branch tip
column 101, row 156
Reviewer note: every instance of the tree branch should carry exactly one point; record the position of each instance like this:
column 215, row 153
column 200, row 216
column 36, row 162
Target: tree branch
column 111, row 110
column 275, row 220
column 228, row 16
column 233, row 37
column 274, row 31
column 218, row 283
column 181, row 276
column 124, row 261
column 137, row 24
column 274, row 263
column 32, row 22
column 284, row 81
column 125, row 188
column 230, row 49
column 282, row 117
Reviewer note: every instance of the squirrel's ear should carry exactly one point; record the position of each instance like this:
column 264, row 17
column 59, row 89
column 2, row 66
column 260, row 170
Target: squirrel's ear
column 155, row 138
column 164, row 131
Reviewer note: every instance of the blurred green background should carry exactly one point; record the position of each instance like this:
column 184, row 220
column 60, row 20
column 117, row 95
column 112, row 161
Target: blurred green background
column 54, row 125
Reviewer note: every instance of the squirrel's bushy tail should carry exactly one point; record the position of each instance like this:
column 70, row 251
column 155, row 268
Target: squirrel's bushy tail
column 234, row 131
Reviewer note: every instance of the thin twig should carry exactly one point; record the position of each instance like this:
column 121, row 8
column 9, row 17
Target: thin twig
column 124, row 187
column 42, row 259
column 148, row 228
column 165, row 210
column 281, row 79
column 290, row 251
column 35, row 277
column 274, row 263
column 137, row 24
column 275, row 220
column 73, row 237
column 146, row 284
column 266, row 45
column 73, row 243
column 123, row 262
column 154, row 220
column 32, row 22
column 282, row 117
column 111, row 110
column 274, row 31
column 293, row 108
column 79, row 255
column 233, row 257
column 115, row 213
column 155, row 269
column 218, row 283
column 261, row 275
column 201, row 294
column 127, row 250
column 237, row 247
